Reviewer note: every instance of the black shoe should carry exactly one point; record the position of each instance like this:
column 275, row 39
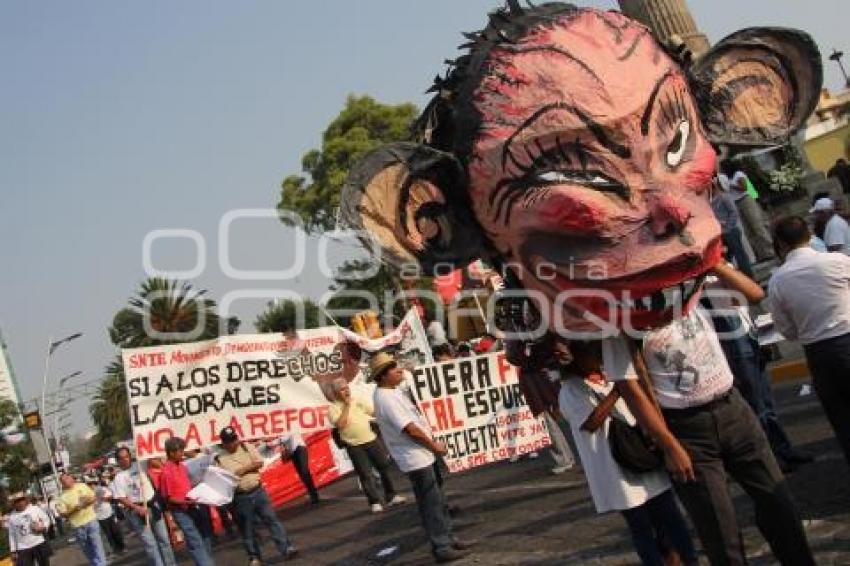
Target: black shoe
column 449, row 555
column 459, row 544
column 315, row 499
column 453, row 510
column 797, row 457
column 786, row 467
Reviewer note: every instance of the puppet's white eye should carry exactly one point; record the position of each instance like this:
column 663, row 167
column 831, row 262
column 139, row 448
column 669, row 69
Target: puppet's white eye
column 676, row 149
column 592, row 179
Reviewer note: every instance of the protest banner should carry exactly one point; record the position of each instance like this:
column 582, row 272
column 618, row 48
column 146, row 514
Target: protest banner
column 263, row 385
column 475, row 406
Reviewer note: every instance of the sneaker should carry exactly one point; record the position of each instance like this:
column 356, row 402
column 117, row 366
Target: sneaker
column 513, row 459
column 533, row 455
column 397, row 500
column 291, row 552
column 558, row 470
column 255, row 562
column 449, row 555
column 376, row 508
column 460, row 544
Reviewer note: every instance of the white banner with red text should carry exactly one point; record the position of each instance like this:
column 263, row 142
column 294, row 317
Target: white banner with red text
column 263, row 385
column 475, row 407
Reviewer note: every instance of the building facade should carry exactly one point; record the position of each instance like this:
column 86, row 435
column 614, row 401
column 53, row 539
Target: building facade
column 669, row 20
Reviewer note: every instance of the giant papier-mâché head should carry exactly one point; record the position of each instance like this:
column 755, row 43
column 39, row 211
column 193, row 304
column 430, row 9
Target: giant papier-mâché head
column 571, row 147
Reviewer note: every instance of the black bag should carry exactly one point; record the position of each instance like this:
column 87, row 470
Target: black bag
column 632, row 449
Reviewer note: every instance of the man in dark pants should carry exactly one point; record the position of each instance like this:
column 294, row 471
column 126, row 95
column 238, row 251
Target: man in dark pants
column 408, row 437
column 720, row 434
column 810, row 301
column 250, row 500
column 353, row 419
column 293, row 448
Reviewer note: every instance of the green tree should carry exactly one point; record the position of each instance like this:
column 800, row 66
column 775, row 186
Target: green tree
column 16, row 460
column 108, row 408
column 282, row 316
column 363, row 125
column 170, row 307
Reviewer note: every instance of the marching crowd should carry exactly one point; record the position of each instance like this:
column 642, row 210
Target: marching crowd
column 670, row 418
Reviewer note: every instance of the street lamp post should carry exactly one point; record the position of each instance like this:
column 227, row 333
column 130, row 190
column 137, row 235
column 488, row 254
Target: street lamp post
column 837, row 56
column 51, row 347
column 61, row 406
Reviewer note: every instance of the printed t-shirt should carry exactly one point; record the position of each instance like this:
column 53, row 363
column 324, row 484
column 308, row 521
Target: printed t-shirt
column 131, row 484
column 358, row 430
column 21, row 526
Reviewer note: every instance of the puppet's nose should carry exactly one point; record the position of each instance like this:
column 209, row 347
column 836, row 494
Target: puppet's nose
column 669, row 217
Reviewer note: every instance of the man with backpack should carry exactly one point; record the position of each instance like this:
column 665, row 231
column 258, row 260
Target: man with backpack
column 250, row 499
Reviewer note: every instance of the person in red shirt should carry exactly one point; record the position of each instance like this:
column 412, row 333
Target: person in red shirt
column 174, row 485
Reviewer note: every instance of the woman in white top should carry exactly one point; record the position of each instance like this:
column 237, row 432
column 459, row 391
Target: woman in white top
column 646, row 501
column 27, row 526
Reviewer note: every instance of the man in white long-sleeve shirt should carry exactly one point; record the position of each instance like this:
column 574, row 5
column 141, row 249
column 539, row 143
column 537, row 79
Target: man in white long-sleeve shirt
column 810, row 301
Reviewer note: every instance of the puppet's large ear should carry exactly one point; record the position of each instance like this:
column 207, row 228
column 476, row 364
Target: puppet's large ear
column 758, row 86
column 411, row 200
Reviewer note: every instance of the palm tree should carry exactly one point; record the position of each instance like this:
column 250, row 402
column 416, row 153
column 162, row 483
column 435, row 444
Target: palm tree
column 108, row 408
column 172, row 310
column 282, row 316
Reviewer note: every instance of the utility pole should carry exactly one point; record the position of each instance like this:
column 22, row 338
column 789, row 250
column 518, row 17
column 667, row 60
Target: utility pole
column 836, row 56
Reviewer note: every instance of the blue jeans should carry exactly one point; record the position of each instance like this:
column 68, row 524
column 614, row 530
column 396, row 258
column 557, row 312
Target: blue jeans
column 660, row 518
column 427, row 487
column 200, row 548
column 88, row 537
column 253, row 506
column 154, row 539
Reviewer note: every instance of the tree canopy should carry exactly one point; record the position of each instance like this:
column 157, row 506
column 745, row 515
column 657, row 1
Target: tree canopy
column 363, row 125
column 282, row 316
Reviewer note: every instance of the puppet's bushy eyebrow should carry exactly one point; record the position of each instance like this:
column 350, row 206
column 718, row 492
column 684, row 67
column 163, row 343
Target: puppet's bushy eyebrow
column 647, row 113
column 519, row 49
column 600, row 132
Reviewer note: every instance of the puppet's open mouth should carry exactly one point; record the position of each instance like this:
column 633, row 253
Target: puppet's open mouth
column 650, row 298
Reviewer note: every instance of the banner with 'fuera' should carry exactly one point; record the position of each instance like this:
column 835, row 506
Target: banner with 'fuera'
column 475, row 406
column 263, row 385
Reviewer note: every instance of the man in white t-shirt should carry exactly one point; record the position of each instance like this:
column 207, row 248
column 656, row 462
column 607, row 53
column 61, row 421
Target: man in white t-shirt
column 407, row 435
column 132, row 488
column 836, row 235
column 27, row 525
column 693, row 385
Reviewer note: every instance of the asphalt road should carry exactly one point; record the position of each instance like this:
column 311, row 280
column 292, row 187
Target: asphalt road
column 521, row 514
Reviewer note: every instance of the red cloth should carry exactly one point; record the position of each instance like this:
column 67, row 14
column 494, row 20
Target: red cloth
column 174, row 483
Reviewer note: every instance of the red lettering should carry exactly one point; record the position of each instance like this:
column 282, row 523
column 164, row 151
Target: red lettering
column 307, row 418
column 234, row 423
column 440, row 414
column 147, row 360
column 505, row 368
column 193, row 436
column 453, row 420
column 278, row 425
column 258, row 422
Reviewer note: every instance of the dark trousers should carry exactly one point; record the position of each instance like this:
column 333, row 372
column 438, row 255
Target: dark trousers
column 302, row 466
column 36, row 555
column 366, row 456
column 752, row 382
column 112, row 530
column 256, row 506
column 432, row 507
column 734, row 242
column 724, row 437
column 660, row 516
column 829, row 361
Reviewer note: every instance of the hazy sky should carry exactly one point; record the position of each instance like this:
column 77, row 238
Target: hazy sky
column 118, row 118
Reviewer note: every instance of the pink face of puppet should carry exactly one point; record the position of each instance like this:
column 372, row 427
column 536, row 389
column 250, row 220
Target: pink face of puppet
column 591, row 171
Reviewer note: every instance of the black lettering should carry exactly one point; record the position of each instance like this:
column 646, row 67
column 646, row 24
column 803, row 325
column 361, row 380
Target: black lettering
column 214, row 377
column 466, row 375
column 232, row 369
column 273, row 393
column 136, row 420
column 482, row 367
column 163, row 384
column 449, row 378
column 134, row 386
column 418, row 382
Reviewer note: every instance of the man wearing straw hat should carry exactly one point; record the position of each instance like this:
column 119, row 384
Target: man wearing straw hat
column 27, row 526
column 407, row 435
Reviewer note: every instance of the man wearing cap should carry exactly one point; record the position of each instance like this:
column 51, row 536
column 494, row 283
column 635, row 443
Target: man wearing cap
column 174, row 484
column 809, row 298
column 407, row 435
column 132, row 488
column 251, row 500
column 27, row 525
column 836, row 235
column 76, row 503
